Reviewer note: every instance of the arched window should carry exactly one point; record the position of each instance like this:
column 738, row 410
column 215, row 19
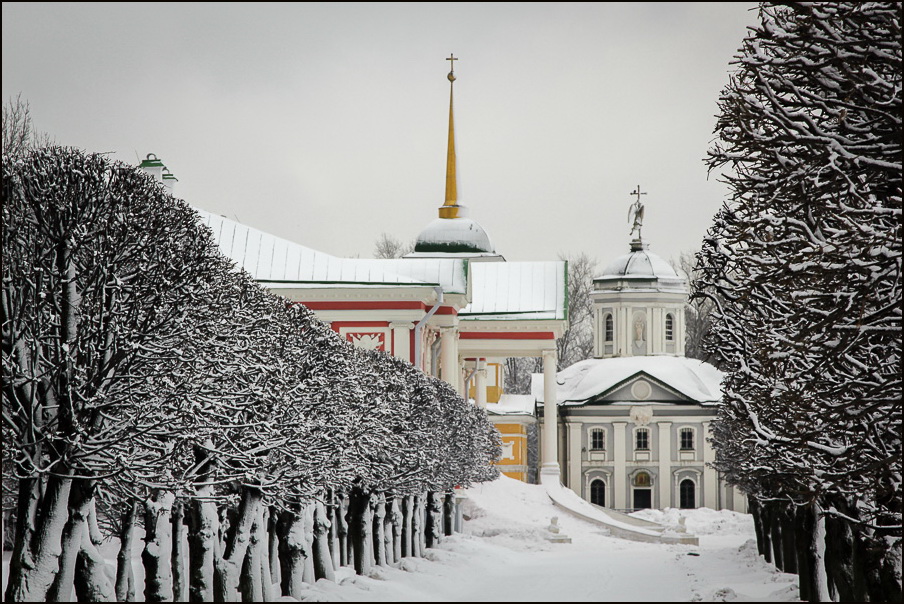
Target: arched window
column 598, row 440
column 598, row 492
column 610, row 329
column 669, row 328
column 642, row 439
column 687, row 494
column 686, row 437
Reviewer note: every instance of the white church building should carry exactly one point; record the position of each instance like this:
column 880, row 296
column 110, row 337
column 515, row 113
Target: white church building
column 633, row 422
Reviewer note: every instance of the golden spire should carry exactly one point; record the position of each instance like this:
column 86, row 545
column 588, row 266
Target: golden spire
column 451, row 209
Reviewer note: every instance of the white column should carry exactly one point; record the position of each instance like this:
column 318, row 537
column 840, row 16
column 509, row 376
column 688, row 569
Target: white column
column 574, row 478
column 401, row 340
column 480, row 383
column 448, row 352
column 710, row 480
column 665, row 464
column 619, row 478
column 550, row 452
column 738, row 500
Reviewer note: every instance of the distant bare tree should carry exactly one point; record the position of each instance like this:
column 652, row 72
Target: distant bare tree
column 696, row 313
column 576, row 344
column 388, row 246
column 18, row 129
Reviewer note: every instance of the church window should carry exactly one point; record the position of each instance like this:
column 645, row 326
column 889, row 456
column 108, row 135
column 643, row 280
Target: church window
column 610, row 330
column 598, row 492
column 686, row 436
column 598, row 440
column 669, row 328
column 643, row 479
column 687, row 494
column 642, row 439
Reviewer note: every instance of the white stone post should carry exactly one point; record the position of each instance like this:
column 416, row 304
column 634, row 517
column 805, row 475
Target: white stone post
column 710, row 480
column 480, row 384
column 401, row 341
column 448, row 353
column 620, row 476
column 550, row 453
column 573, row 478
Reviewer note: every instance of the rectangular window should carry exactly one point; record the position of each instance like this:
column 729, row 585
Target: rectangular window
column 597, row 440
column 687, row 439
column 642, row 440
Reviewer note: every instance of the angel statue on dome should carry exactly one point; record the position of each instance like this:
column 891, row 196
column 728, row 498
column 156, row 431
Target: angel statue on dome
column 635, row 214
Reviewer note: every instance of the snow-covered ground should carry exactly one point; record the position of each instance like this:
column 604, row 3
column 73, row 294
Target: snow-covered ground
column 505, row 555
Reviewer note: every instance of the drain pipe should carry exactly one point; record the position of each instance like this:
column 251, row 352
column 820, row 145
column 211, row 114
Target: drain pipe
column 420, row 326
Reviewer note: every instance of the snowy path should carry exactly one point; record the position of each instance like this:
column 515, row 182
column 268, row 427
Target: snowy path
column 504, row 556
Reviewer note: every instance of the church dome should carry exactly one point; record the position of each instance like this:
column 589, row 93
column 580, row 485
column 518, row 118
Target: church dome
column 641, row 270
column 454, row 235
column 640, row 263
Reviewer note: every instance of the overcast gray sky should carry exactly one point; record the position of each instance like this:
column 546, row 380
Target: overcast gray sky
column 326, row 123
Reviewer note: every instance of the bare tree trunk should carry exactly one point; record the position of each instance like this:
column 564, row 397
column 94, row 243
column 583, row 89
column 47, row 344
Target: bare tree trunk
column 817, row 553
column 228, row 566
column 331, row 511
column 273, row 551
column 342, row 529
column 251, row 583
column 418, row 516
column 803, row 526
column 158, row 544
column 33, row 578
column 266, row 543
column 323, row 561
column 378, row 515
column 449, row 513
column 789, row 537
column 293, row 555
column 26, row 521
column 179, row 557
column 394, row 513
column 775, row 534
column 202, row 546
column 407, row 526
column 359, row 530
column 80, row 495
column 434, row 519
column 91, row 581
column 125, row 574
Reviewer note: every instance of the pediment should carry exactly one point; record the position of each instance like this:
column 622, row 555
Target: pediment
column 641, row 388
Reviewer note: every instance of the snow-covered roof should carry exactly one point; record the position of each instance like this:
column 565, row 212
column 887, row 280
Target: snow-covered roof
column 512, row 404
column 697, row 380
column 274, row 260
column 639, row 263
column 517, row 291
column 453, row 235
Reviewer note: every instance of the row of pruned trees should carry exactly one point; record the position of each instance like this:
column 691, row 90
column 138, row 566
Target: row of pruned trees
column 803, row 267
column 148, row 384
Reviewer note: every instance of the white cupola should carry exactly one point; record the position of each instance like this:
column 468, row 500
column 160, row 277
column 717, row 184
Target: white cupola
column 638, row 305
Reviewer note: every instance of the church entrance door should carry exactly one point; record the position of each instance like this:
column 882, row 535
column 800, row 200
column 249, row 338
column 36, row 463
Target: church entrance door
column 643, row 499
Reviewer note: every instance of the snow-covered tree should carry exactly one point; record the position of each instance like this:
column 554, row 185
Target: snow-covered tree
column 803, row 265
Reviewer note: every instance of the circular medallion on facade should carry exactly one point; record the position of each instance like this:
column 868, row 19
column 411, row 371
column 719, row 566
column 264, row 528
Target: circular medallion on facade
column 641, row 390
